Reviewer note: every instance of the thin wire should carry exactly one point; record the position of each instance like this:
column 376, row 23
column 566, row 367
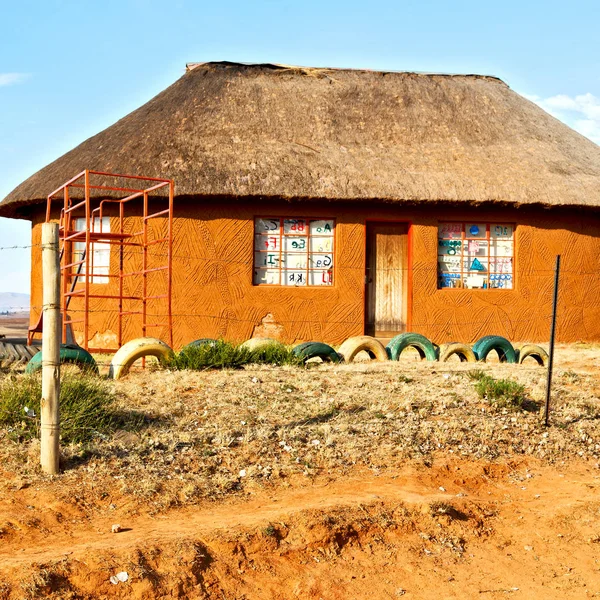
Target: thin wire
column 20, row 247
column 509, row 322
column 428, row 268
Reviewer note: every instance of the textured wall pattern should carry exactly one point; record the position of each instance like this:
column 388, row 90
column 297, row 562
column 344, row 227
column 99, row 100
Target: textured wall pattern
column 213, row 295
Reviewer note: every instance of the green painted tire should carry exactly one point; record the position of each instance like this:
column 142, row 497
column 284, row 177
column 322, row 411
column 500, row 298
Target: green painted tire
column 200, row 342
column 422, row 345
column 483, row 339
column 309, row 350
column 535, row 352
column 69, row 353
column 483, row 346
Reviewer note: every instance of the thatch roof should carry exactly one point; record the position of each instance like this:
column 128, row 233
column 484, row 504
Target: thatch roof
column 228, row 129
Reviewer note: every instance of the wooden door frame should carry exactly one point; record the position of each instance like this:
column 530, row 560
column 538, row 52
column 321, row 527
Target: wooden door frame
column 409, row 258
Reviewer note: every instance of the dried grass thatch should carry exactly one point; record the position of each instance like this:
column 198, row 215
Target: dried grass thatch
column 228, row 129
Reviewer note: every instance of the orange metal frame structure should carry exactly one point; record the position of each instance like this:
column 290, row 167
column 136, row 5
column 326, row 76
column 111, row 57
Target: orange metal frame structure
column 78, row 275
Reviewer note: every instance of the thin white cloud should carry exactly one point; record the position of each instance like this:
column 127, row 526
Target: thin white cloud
column 581, row 112
column 12, row 78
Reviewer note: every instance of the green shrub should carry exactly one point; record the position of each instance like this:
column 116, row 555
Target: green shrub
column 504, row 393
column 275, row 354
column 213, row 355
column 224, row 355
column 476, row 374
column 86, row 407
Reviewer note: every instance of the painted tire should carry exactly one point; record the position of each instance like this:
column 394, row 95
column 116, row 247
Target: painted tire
column 483, row 346
column 537, row 352
column 69, row 353
column 463, row 352
column 401, row 342
column 309, row 350
column 255, row 344
column 352, row 346
column 135, row 349
column 200, row 342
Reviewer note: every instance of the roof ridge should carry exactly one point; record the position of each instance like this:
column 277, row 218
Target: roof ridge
column 190, row 66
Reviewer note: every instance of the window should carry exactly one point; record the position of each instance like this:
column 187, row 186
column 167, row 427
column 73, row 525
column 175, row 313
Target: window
column 99, row 260
column 475, row 255
column 293, row 251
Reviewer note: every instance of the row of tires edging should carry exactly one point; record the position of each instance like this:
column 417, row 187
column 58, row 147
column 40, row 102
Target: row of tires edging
column 138, row 348
column 427, row 350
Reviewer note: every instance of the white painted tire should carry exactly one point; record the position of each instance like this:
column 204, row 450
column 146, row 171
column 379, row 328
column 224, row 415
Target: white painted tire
column 464, row 352
column 352, row 346
column 535, row 352
column 259, row 344
column 134, row 350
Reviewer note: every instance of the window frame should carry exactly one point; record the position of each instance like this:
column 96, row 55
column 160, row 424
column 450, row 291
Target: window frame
column 281, row 269
column 463, row 238
column 95, row 277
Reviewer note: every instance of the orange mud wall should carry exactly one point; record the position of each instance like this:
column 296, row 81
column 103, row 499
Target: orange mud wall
column 213, row 294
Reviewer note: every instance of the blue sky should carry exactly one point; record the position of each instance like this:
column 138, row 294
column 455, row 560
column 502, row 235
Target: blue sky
column 68, row 69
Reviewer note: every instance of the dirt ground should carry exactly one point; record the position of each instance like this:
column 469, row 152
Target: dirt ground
column 355, row 481
column 14, row 325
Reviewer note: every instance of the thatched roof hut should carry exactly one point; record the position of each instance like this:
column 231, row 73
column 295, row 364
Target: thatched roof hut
column 235, row 130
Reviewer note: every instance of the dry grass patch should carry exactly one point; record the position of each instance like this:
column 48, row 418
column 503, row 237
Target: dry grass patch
column 210, row 433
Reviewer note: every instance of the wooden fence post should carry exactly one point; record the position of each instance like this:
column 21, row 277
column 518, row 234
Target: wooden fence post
column 51, row 337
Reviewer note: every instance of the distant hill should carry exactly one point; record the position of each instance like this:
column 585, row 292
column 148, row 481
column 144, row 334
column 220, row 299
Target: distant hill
column 12, row 302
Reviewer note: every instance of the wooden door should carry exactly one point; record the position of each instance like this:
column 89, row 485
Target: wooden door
column 386, row 279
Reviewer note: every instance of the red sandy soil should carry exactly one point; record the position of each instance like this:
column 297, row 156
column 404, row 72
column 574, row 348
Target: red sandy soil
column 451, row 529
column 442, row 526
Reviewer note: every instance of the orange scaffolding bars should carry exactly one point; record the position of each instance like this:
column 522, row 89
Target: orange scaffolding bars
column 90, row 197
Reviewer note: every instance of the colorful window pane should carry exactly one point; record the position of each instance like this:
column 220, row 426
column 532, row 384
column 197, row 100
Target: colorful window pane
column 293, row 251
column 476, row 255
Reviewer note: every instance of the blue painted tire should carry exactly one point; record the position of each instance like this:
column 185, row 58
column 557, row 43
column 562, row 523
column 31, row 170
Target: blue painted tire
column 422, row 345
column 483, row 346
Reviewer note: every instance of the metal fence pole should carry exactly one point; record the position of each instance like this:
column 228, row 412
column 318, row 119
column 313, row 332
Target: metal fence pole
column 552, row 333
column 51, row 337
